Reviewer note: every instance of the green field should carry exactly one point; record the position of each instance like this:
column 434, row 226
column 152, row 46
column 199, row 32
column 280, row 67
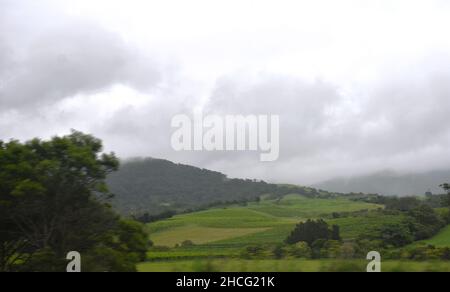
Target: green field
column 353, row 226
column 201, row 235
column 224, row 232
column 234, row 265
column 220, row 235
column 442, row 239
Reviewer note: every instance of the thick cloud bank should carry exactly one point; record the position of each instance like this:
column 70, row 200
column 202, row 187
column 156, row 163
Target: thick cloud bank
column 355, row 96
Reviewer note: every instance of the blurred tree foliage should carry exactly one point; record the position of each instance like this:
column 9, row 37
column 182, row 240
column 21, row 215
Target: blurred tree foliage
column 54, row 199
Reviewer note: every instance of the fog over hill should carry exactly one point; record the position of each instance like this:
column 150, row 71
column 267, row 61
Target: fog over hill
column 390, row 183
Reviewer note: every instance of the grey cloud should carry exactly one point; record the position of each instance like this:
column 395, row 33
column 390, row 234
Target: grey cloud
column 303, row 107
column 65, row 58
column 3, row 60
column 400, row 124
column 411, row 112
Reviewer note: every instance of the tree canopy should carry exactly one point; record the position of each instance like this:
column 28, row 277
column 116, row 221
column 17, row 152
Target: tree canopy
column 54, row 199
column 312, row 231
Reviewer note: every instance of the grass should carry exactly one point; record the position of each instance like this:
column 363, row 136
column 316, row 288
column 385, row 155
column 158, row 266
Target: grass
column 295, row 265
column 200, row 235
column 270, row 236
column 222, row 232
column 352, row 227
column 298, row 207
column 194, row 252
column 442, row 239
column 233, row 217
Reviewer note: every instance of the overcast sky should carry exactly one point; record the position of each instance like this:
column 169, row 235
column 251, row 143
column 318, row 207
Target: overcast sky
column 360, row 86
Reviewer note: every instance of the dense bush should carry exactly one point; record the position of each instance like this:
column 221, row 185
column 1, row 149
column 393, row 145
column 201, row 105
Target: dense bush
column 53, row 200
column 311, row 231
column 425, row 222
column 424, row 252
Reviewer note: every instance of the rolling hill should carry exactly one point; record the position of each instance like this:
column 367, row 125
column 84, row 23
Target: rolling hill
column 229, row 229
column 155, row 186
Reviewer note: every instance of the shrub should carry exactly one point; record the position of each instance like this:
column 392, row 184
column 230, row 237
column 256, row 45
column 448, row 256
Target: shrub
column 299, row 250
column 187, row 243
column 311, row 231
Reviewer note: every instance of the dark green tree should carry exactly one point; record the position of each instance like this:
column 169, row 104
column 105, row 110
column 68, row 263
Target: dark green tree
column 54, row 199
column 426, row 222
column 336, row 233
column 396, row 235
column 310, row 231
column 446, row 201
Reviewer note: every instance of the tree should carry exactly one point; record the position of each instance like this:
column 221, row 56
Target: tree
column 299, row 250
column 396, row 235
column 426, row 222
column 54, row 199
column 278, row 252
column 335, row 233
column 311, row 231
column 402, row 204
column 446, row 201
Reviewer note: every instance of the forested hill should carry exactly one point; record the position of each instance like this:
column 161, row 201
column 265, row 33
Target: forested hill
column 157, row 186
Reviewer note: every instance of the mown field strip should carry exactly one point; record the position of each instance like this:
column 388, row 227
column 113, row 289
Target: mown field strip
column 200, row 235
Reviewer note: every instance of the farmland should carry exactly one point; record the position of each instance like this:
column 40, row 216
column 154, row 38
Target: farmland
column 224, row 232
column 219, row 239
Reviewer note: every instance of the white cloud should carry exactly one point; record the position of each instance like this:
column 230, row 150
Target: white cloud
column 360, row 85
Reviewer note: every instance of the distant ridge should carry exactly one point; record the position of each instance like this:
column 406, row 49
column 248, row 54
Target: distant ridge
column 390, row 183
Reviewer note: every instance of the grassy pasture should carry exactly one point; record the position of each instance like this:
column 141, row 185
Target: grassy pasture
column 352, row 227
column 442, row 239
column 265, row 222
column 298, row 207
column 224, row 232
column 201, row 235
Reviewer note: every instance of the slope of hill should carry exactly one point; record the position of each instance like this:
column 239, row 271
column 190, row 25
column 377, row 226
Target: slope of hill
column 242, row 238
column 232, row 228
column 155, row 186
column 441, row 239
column 390, row 183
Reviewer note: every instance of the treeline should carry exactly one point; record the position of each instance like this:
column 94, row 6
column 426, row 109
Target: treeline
column 153, row 188
column 403, row 203
column 54, row 200
column 420, row 219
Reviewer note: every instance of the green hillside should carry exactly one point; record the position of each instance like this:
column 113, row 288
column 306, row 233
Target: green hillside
column 442, row 239
column 155, row 186
column 218, row 239
column 225, row 231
